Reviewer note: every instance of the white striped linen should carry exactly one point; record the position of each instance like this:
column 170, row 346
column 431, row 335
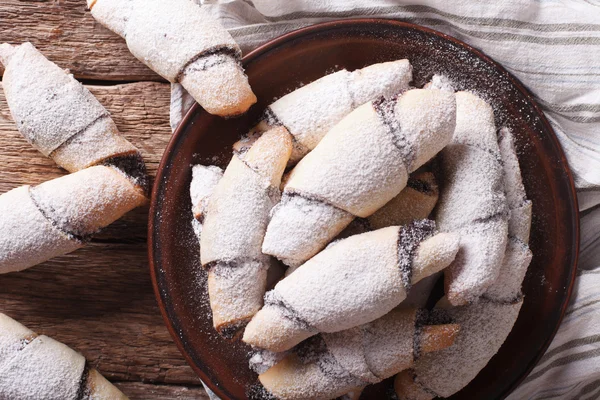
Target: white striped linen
column 553, row 47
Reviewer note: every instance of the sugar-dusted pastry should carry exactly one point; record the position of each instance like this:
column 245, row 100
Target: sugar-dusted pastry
column 57, row 114
column 36, row 367
column 507, row 287
column 360, row 165
column 311, row 111
column 484, row 327
column 332, row 364
column 486, row 323
column 416, row 201
column 183, row 43
column 472, row 201
column 204, row 181
column 234, row 226
column 56, row 217
column 353, row 281
column 519, row 225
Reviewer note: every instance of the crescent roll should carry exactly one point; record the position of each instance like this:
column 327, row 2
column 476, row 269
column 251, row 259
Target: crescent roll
column 309, row 112
column 57, row 114
column 472, row 201
column 334, row 290
column 485, row 324
column 183, row 43
column 56, row 217
column 36, row 367
column 359, row 166
column 236, row 219
column 332, row 364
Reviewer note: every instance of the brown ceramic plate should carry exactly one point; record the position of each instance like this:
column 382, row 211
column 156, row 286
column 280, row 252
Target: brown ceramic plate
column 299, row 58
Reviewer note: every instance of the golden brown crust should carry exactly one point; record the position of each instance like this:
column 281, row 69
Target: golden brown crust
column 437, row 337
column 101, row 389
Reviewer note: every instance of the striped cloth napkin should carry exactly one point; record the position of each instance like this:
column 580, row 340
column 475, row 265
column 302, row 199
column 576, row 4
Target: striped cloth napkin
column 553, row 47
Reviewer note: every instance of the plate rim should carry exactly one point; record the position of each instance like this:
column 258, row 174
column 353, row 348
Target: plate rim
column 319, row 28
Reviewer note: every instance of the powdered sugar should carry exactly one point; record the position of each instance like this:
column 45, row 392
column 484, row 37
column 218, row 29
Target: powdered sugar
column 98, row 142
column 236, row 293
column 359, row 295
column 55, row 217
column 478, row 262
column 204, row 181
column 507, row 288
column 27, row 238
column 57, row 114
column 387, row 80
column 415, row 201
column 237, row 211
column 44, row 369
column 356, row 167
column 6, row 53
column 519, row 223
column 348, row 348
column 486, row 323
column 39, row 367
column 312, row 110
column 515, row 191
column 440, row 82
column 311, row 373
column 86, row 201
column 48, row 105
column 333, row 364
column 427, row 119
column 472, row 201
column 262, row 360
column 484, row 327
column 301, row 227
column 389, row 343
column 237, row 216
column 334, row 291
column 164, row 36
column 13, row 337
column 359, row 166
column 218, row 83
column 473, row 187
column 409, row 239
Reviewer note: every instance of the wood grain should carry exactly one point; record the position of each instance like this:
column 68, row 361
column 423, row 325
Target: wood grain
column 99, row 299
column 69, row 36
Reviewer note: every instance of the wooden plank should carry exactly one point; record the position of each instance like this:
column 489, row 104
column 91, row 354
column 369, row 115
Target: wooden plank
column 68, row 35
column 99, row 299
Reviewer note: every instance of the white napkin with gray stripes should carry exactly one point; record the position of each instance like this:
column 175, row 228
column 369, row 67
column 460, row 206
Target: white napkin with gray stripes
column 553, row 47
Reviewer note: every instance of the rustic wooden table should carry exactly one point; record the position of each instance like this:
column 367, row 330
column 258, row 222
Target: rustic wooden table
column 99, row 299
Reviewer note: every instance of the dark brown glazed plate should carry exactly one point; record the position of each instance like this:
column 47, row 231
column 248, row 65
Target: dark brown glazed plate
column 299, row 58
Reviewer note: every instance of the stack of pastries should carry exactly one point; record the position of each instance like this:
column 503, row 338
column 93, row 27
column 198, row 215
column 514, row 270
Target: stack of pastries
column 367, row 190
